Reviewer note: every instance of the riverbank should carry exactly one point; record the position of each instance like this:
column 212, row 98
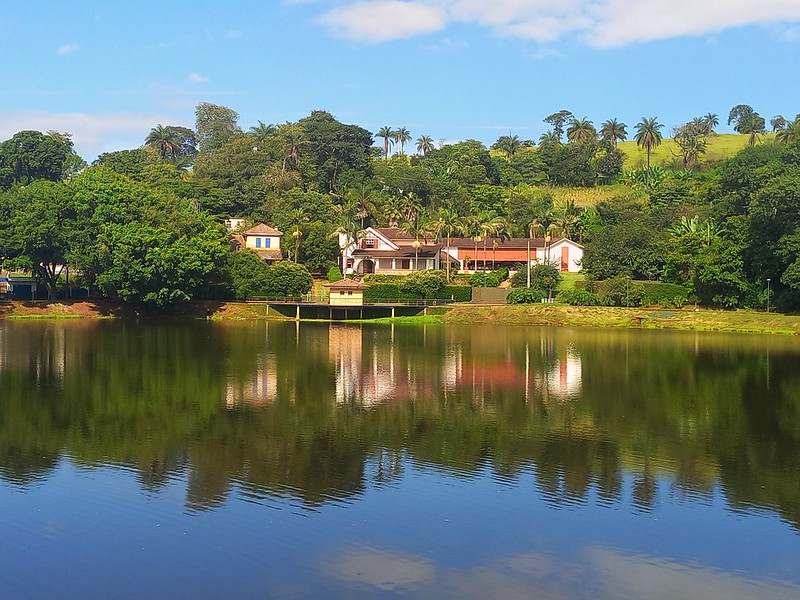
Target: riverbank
column 535, row 314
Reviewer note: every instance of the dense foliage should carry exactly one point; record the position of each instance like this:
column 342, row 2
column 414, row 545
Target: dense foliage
column 141, row 224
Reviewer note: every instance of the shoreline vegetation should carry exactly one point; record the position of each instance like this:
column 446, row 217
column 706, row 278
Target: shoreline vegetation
column 689, row 318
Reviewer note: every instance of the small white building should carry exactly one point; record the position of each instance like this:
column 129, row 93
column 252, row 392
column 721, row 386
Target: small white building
column 262, row 238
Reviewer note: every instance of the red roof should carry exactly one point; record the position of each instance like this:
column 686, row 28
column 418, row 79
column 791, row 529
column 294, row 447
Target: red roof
column 346, row 284
column 262, row 229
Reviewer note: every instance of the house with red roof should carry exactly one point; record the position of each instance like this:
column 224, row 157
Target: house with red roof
column 263, row 239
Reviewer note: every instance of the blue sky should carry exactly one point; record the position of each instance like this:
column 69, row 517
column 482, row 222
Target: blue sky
column 107, row 72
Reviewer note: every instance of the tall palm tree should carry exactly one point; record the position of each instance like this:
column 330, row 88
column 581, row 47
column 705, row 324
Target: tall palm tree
column 401, row 136
column 292, row 141
column 613, row 131
column 541, row 216
column 488, row 224
column 297, row 216
column 346, row 222
column 387, row 134
column 162, row 139
column 425, row 144
column 790, row 134
column 418, row 225
column 501, row 232
column 581, row 131
column 448, row 221
column 566, row 217
column 550, row 138
column 365, row 196
column 648, row 135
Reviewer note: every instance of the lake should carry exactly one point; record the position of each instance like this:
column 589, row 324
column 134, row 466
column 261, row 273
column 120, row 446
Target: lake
column 307, row 460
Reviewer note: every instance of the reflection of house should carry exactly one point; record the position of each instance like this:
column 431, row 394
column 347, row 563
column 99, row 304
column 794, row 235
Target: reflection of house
column 564, row 379
column 346, row 293
column 388, row 250
column 265, row 240
column 258, row 389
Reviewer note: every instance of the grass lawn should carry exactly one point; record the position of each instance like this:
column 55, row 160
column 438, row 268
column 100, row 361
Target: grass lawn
column 668, row 154
column 568, row 280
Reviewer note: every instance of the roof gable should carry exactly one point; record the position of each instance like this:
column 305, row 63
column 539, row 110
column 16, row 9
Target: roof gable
column 262, row 229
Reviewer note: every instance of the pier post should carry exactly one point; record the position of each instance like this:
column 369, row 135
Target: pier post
column 297, row 313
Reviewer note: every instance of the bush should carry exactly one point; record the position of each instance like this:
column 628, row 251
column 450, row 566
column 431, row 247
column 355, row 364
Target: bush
column 424, row 284
column 389, row 292
column 488, row 278
column 457, row 293
column 286, row 278
column 334, row 274
column 380, row 278
column 582, row 297
column 247, row 273
column 544, row 276
column 620, row 291
column 525, row 296
column 663, row 294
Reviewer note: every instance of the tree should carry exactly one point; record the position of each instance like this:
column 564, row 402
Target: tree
column 292, row 140
column 31, row 155
column 709, row 122
column 162, row 139
column 648, row 135
column 558, row 120
column 401, row 136
column 790, row 134
column 346, row 227
column 566, row 217
column 425, row 144
column 298, row 216
column 387, row 133
column 214, row 125
column 508, row 144
column 263, row 133
column 549, row 138
column 747, row 122
column 42, row 230
column 581, row 131
column 287, row 279
column 613, row 131
column 691, row 139
column 247, row 273
column 448, row 222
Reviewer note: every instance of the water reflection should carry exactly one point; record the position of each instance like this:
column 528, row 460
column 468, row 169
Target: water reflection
column 323, row 412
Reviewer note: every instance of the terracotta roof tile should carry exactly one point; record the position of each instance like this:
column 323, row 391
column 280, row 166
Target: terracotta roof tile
column 262, row 229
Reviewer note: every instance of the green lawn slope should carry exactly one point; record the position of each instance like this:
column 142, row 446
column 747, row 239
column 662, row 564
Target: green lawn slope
column 668, row 154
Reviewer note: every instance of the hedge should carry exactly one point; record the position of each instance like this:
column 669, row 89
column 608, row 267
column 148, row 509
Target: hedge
column 391, row 292
column 619, row 291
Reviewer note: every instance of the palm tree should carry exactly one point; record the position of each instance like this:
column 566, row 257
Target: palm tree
column 710, row 121
column 509, row 144
column 418, row 225
column 387, row 134
column 502, row 231
column 447, row 223
column 648, row 135
column 296, row 217
column 581, row 131
column 162, row 139
column 292, row 140
column 425, row 144
column 790, row 134
column 347, row 228
column 488, row 225
column 262, row 132
column 365, row 197
column 549, row 138
column 613, row 131
column 401, row 136
column 566, row 217
column 541, row 215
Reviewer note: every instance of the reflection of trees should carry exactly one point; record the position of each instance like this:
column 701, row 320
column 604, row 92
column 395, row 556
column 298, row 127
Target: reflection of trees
column 263, row 408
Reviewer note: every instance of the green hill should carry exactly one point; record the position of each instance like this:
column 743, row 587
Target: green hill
column 668, row 155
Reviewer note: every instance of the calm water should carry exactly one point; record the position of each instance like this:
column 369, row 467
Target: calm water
column 208, row 460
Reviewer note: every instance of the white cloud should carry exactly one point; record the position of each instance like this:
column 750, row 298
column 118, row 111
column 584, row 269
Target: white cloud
column 68, row 48
column 602, row 23
column 92, row 134
column 384, row 20
column 197, row 78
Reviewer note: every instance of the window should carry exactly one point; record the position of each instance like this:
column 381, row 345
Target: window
column 258, row 242
column 405, row 263
column 369, row 243
column 349, row 293
column 267, row 242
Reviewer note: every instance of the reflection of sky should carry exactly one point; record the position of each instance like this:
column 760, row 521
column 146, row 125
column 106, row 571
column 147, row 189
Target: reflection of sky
column 425, row 533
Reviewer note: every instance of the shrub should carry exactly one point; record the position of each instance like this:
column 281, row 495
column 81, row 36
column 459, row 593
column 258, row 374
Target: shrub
column 582, row 297
column 525, row 296
column 287, row 278
column 380, row 278
column 389, row 292
column 334, row 274
column 424, row 284
column 457, row 293
column 247, row 274
column 544, row 276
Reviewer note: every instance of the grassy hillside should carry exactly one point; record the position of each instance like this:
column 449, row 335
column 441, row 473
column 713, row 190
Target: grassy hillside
column 668, row 155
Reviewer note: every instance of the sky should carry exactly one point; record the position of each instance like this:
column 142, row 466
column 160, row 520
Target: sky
column 107, row 72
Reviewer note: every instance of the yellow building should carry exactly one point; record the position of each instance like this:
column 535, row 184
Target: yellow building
column 262, row 238
column 346, row 293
